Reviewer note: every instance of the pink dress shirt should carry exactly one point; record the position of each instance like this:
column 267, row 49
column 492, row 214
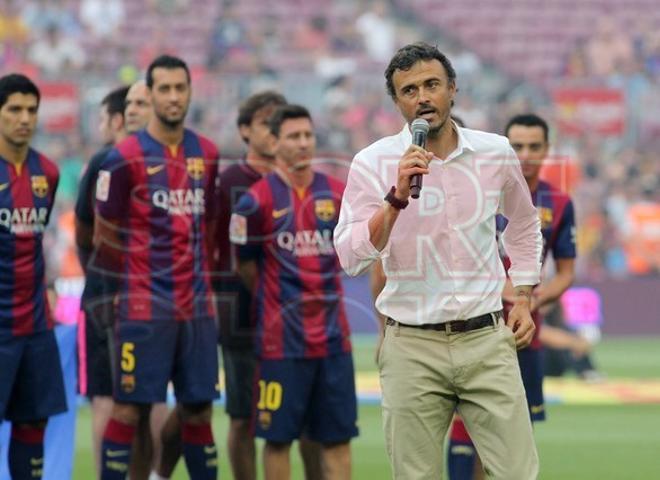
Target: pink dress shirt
column 441, row 260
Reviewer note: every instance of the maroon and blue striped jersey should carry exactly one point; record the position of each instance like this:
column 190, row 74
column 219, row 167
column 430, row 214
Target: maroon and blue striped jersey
column 557, row 227
column 26, row 200
column 162, row 198
column 298, row 302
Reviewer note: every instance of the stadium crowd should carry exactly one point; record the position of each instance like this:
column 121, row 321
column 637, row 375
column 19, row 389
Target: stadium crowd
column 331, row 60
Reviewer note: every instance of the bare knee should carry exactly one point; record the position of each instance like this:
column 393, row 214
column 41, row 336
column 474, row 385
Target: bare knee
column 127, row 413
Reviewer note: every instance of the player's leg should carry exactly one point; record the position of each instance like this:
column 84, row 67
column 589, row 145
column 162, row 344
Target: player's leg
column 26, row 450
column 37, row 393
column 195, row 379
column 199, row 449
column 493, row 404
column 99, row 377
column 332, row 414
column 145, row 354
column 530, row 361
column 310, row 452
column 277, row 461
column 170, row 441
column 418, row 401
column 143, row 448
column 282, row 395
column 239, row 367
column 462, row 458
column 160, row 412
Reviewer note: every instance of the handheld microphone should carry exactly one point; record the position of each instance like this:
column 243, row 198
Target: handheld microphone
column 420, row 129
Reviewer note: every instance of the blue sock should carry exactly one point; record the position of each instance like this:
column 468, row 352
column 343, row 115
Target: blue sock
column 116, row 450
column 461, row 460
column 199, row 451
column 26, row 452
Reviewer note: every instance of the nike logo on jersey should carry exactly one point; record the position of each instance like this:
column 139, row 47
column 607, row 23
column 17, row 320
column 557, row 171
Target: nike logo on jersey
column 116, row 453
column 3, row 186
column 280, row 213
column 152, row 170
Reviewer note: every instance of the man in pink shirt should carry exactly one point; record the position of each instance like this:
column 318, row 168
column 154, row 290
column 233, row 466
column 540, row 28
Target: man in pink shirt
column 445, row 345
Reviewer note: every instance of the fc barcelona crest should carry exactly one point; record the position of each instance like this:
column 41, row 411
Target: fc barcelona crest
column 39, row 185
column 325, row 209
column 195, row 167
column 545, row 215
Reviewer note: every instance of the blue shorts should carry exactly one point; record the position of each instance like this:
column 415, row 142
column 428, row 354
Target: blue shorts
column 315, row 396
column 150, row 354
column 531, row 369
column 239, row 366
column 31, row 384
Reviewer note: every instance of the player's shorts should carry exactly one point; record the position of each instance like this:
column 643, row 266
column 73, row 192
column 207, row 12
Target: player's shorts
column 98, row 337
column 31, row 384
column 531, row 369
column 316, row 396
column 239, row 365
column 151, row 353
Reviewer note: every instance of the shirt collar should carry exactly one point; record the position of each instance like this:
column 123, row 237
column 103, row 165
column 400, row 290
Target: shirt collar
column 463, row 143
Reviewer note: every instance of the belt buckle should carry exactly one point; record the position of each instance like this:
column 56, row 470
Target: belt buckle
column 448, row 329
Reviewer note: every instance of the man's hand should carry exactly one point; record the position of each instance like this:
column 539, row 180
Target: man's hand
column 521, row 323
column 414, row 161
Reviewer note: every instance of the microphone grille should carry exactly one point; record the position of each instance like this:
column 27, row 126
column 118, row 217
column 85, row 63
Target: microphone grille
column 419, row 125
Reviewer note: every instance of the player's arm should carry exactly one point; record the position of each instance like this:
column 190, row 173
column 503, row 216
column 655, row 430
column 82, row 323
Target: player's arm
column 563, row 251
column 113, row 191
column 523, row 242
column 108, row 244
column 558, row 338
column 85, row 216
column 248, row 272
column 246, row 232
column 550, row 291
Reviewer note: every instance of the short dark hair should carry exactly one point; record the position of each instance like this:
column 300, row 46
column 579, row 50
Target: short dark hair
column 17, row 83
column 287, row 112
column 409, row 55
column 165, row 61
column 528, row 120
column 256, row 102
column 115, row 101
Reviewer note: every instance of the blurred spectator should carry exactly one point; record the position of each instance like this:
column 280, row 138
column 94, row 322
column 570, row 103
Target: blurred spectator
column 13, row 29
column 609, row 48
column 102, row 17
column 54, row 53
column 40, row 15
column 313, row 35
column 229, row 39
column 378, row 31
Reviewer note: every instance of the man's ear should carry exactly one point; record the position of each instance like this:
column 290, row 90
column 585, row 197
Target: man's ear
column 117, row 122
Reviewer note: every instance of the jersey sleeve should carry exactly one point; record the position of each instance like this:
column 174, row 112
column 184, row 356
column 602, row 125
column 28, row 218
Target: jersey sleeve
column 84, row 203
column 212, row 185
column 246, row 227
column 113, row 187
column 564, row 245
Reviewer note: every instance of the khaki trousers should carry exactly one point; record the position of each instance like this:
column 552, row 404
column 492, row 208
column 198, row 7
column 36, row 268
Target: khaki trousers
column 425, row 375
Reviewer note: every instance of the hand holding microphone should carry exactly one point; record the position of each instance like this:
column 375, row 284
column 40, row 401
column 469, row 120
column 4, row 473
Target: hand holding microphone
column 414, row 163
column 419, row 129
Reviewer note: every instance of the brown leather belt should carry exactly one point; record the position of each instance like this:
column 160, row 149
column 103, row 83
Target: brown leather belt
column 455, row 326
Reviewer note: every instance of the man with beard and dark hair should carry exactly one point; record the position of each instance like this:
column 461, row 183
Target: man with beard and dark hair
column 445, row 346
column 155, row 201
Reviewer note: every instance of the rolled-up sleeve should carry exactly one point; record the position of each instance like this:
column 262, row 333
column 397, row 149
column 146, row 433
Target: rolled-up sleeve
column 363, row 196
column 522, row 237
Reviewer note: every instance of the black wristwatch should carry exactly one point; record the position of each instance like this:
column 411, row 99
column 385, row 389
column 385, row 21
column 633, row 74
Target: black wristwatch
column 395, row 202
